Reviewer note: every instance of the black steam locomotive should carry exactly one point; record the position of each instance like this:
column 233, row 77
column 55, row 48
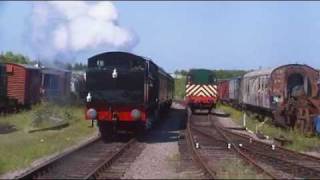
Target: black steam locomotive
column 126, row 91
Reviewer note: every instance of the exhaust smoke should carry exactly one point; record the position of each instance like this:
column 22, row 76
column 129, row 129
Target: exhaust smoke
column 61, row 29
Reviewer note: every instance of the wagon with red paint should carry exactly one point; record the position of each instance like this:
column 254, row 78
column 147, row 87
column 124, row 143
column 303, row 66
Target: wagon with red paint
column 23, row 83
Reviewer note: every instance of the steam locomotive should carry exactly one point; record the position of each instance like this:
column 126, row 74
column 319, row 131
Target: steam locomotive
column 126, row 92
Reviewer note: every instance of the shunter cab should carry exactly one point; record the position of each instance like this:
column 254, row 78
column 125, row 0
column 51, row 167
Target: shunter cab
column 125, row 91
column 201, row 89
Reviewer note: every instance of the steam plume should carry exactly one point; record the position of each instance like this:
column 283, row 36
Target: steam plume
column 61, row 29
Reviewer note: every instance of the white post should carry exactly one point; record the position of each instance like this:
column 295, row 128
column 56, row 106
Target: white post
column 244, row 119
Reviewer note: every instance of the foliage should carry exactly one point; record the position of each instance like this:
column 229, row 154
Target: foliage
column 221, row 74
column 49, row 114
column 79, row 66
column 182, row 72
column 237, row 169
column 227, row 74
column 179, row 89
column 10, row 57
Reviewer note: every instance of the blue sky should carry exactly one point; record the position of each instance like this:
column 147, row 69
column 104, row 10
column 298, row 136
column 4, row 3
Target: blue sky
column 215, row 35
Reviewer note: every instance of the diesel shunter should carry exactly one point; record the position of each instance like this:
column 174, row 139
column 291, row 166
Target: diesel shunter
column 201, row 89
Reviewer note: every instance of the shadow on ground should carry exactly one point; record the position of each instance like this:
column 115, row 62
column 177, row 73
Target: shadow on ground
column 167, row 130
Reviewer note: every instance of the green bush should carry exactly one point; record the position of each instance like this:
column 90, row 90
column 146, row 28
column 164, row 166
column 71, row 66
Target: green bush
column 179, row 87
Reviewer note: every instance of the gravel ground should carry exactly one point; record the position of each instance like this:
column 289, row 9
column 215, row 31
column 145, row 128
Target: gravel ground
column 160, row 158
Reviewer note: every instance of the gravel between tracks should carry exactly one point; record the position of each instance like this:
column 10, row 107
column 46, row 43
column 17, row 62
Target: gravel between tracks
column 160, row 158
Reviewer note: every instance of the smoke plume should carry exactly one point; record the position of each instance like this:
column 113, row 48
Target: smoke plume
column 61, row 29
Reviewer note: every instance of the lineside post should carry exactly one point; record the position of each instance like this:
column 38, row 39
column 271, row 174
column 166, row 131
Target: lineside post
column 244, row 118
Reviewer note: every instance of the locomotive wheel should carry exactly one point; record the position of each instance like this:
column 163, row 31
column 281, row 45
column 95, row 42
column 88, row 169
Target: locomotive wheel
column 106, row 130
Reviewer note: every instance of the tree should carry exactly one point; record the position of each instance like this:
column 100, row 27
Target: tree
column 69, row 66
column 10, row 57
column 227, row 74
column 79, row 66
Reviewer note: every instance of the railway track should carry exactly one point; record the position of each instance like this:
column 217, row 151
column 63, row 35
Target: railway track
column 95, row 159
column 187, row 165
column 212, row 149
column 281, row 162
column 273, row 161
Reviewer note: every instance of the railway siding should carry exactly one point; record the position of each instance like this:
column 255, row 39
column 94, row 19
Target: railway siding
column 278, row 161
column 213, row 151
column 299, row 143
column 274, row 162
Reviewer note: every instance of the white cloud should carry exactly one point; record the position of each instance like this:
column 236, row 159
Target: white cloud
column 69, row 27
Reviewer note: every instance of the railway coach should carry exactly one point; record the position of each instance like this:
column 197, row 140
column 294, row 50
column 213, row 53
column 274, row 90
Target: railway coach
column 235, row 91
column 201, row 89
column 126, row 91
column 287, row 93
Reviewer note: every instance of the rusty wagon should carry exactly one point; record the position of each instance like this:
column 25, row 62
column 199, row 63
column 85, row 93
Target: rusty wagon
column 288, row 92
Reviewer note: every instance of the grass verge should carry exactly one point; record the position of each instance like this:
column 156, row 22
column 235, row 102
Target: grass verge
column 237, row 169
column 20, row 148
column 299, row 141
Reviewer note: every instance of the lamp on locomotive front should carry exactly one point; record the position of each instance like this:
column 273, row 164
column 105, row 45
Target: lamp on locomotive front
column 89, row 97
column 114, row 73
